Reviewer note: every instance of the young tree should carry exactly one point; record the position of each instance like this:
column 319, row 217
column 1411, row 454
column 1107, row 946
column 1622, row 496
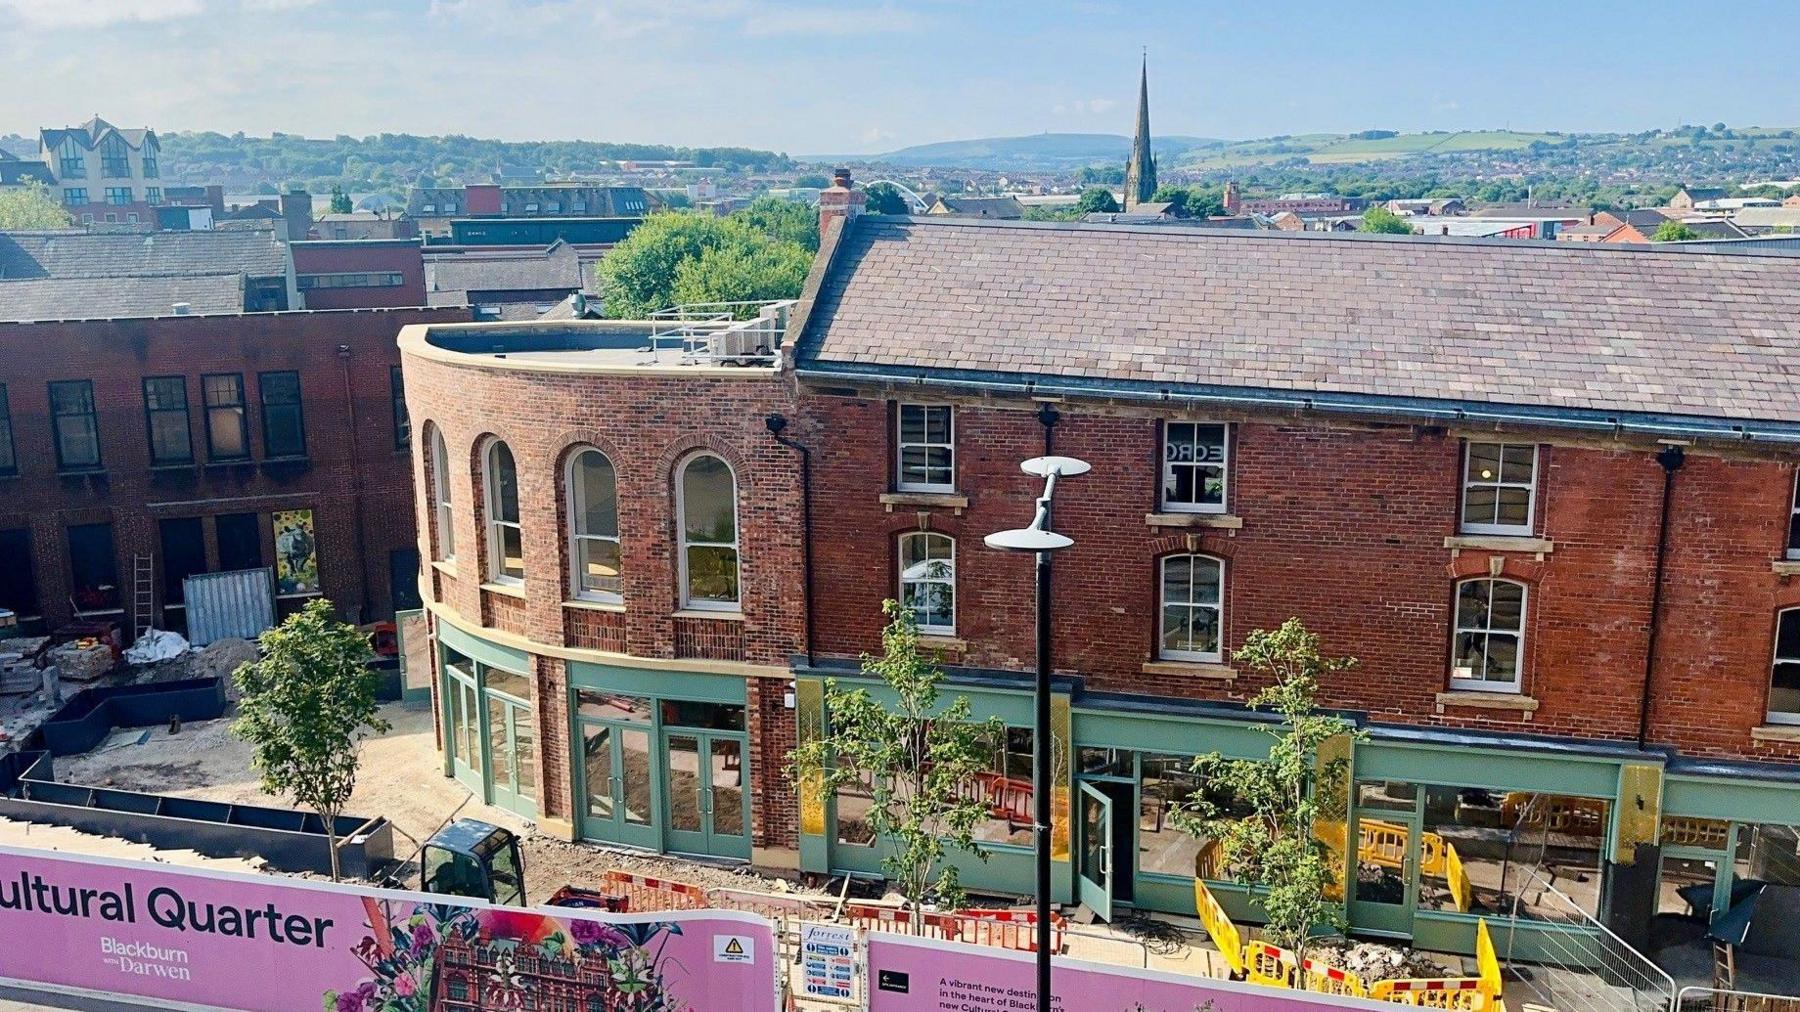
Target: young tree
column 340, row 201
column 1674, row 231
column 885, row 198
column 911, row 760
column 306, row 706
column 1264, row 813
column 1380, row 219
column 1097, row 200
column 31, row 207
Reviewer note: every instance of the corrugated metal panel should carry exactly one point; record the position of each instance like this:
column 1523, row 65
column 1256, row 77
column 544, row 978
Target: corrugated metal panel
column 238, row 605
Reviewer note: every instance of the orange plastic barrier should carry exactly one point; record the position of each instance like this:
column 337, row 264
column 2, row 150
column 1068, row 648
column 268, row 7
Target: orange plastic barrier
column 643, row 893
column 1466, row 993
column 1005, row 798
column 1219, row 928
column 1004, row 929
column 1324, row 979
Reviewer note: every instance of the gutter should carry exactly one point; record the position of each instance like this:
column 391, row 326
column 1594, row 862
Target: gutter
column 1409, row 409
column 1671, row 458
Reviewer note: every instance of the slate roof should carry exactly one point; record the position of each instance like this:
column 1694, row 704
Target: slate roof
column 18, row 171
column 78, row 254
column 103, row 298
column 89, row 134
column 1576, row 328
column 980, row 207
column 559, row 266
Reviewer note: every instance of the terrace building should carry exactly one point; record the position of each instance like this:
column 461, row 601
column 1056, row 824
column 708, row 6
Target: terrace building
column 1545, row 493
column 103, row 173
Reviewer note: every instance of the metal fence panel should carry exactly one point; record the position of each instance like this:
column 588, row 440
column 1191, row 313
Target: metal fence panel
column 234, row 605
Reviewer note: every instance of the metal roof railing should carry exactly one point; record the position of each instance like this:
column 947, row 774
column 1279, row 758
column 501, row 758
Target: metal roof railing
column 721, row 333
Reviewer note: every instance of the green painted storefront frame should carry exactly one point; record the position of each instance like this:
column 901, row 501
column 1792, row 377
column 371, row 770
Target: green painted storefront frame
column 657, row 685
column 485, row 655
column 1738, row 802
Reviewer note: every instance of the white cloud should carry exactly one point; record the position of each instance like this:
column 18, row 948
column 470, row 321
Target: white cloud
column 1085, row 107
column 876, row 135
column 96, row 13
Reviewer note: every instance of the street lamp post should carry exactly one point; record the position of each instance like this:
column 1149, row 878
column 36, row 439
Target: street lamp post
column 1040, row 540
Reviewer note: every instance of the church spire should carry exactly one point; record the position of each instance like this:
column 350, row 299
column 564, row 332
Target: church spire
column 1140, row 174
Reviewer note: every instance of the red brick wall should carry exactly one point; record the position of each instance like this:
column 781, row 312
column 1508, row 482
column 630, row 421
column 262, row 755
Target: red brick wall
column 645, row 424
column 1343, row 526
column 117, row 355
column 354, row 258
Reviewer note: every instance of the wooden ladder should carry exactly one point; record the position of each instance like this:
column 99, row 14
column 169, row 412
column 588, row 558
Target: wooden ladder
column 143, row 594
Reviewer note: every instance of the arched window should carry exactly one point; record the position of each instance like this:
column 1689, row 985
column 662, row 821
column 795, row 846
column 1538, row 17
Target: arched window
column 706, row 500
column 594, row 528
column 1193, row 599
column 506, row 542
column 1784, row 683
column 444, row 548
column 928, row 581
column 1490, row 635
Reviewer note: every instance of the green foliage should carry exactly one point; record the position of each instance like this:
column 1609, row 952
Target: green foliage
column 1039, row 212
column 885, row 198
column 31, row 206
column 1190, row 201
column 1674, row 231
column 912, row 759
column 812, row 181
column 340, row 201
column 1380, row 219
column 1097, row 200
column 783, row 221
column 1103, row 175
column 1274, row 849
column 740, row 273
column 306, row 705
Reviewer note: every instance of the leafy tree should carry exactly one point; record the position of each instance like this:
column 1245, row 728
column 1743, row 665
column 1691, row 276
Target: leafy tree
column 1189, row 202
column 1097, row 200
column 1382, row 220
column 1274, row 849
column 743, row 273
column 340, row 201
column 1104, row 175
column 637, row 277
column 1674, row 231
column 306, row 706
column 812, row 181
column 885, row 198
column 31, row 207
column 783, row 221
column 911, row 759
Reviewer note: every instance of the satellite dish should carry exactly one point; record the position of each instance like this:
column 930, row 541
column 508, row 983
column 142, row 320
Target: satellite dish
column 1062, row 467
column 1028, row 539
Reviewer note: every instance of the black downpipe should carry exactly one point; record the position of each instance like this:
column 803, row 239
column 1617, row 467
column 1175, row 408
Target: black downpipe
column 1671, row 458
column 777, row 424
column 1048, row 416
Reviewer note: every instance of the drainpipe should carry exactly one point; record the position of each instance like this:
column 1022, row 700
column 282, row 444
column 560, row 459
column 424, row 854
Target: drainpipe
column 1671, row 458
column 776, row 425
column 356, row 484
column 1048, row 416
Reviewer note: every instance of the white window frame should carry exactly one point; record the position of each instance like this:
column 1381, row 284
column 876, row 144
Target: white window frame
column 1462, row 500
column 688, row 602
column 1793, row 547
column 577, row 510
column 905, row 581
column 1224, row 465
column 1777, row 716
column 496, row 552
column 443, row 547
column 900, row 446
column 1457, row 629
column 1162, row 611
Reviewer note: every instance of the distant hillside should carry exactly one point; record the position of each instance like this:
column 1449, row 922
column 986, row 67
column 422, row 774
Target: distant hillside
column 1038, row 151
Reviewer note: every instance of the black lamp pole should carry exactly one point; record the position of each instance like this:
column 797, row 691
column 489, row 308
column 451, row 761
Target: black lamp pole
column 1040, row 540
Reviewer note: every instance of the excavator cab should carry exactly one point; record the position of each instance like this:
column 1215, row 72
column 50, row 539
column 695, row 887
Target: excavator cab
column 473, row 858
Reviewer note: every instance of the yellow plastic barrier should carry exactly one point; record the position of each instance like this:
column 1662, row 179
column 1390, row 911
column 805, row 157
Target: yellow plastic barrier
column 1462, row 892
column 1323, row 979
column 1218, row 926
column 1268, row 965
column 1487, row 962
column 1382, row 843
column 1466, row 993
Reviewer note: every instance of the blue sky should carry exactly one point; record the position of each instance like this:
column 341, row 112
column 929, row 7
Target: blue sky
column 805, row 76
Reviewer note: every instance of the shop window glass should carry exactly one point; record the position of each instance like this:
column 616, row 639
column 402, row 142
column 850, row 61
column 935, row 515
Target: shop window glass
column 613, row 706
column 1508, row 846
column 1768, row 852
column 1685, row 888
column 513, row 684
column 708, row 716
column 853, row 803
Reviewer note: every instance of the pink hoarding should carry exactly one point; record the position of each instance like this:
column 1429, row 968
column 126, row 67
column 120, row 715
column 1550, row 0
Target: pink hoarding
column 926, row 975
column 211, row 939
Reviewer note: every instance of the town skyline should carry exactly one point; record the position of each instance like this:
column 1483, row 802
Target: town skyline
column 915, row 73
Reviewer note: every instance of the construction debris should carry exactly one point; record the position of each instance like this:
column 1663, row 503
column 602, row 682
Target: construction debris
column 156, row 645
column 83, row 660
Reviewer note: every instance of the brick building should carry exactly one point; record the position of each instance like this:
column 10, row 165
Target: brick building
column 1545, row 494
column 360, row 273
column 180, row 439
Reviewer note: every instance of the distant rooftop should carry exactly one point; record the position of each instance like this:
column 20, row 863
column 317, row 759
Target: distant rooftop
column 74, row 253
column 686, row 337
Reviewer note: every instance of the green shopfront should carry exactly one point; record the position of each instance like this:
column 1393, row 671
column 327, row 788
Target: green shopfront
column 1451, row 827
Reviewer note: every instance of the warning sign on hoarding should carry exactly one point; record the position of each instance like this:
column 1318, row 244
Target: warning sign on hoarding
column 828, row 961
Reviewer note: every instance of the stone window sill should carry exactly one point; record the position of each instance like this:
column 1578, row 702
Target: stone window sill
column 948, row 644
column 1786, row 567
column 724, row 616
column 1192, row 669
column 927, row 500
column 1487, row 701
column 617, row 606
column 508, row 589
column 444, row 566
column 1500, row 543
column 1776, row 732
column 1217, row 521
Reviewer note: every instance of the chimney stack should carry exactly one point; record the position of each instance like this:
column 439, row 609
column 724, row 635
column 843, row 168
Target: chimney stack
column 841, row 201
column 1233, row 206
